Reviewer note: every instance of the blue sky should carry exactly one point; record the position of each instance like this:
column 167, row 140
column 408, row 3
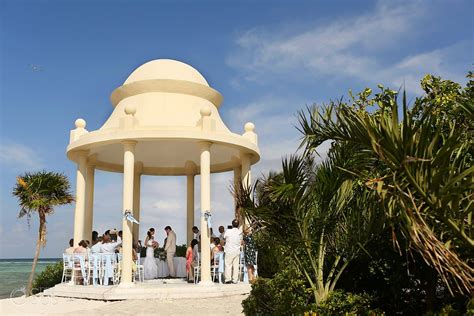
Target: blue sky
column 60, row 60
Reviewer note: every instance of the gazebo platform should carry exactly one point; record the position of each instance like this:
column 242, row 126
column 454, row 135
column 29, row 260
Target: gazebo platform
column 164, row 289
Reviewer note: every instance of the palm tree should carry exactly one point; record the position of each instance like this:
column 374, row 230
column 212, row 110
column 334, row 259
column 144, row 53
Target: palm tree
column 316, row 213
column 425, row 162
column 40, row 192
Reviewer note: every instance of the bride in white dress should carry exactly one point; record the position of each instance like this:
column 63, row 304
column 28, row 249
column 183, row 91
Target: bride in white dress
column 149, row 264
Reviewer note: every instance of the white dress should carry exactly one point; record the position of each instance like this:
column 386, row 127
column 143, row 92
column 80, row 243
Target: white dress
column 149, row 263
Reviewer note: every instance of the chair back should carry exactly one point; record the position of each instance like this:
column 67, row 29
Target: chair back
column 68, row 262
column 220, row 261
column 81, row 261
column 95, row 264
column 108, row 262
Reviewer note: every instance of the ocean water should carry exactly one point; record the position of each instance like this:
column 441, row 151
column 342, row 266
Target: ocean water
column 14, row 273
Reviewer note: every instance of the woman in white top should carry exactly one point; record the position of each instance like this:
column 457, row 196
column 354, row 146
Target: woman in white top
column 149, row 263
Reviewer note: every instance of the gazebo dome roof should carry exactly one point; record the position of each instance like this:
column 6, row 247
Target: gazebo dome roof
column 168, row 109
column 166, row 69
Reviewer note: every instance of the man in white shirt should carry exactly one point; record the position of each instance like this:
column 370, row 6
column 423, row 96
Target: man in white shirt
column 170, row 249
column 96, row 244
column 107, row 246
column 233, row 240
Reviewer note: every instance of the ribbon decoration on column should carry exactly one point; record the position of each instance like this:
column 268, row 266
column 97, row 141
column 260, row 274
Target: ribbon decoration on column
column 207, row 216
column 129, row 217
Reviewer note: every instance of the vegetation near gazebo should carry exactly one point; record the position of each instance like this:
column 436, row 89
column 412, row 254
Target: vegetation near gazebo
column 40, row 192
column 398, row 174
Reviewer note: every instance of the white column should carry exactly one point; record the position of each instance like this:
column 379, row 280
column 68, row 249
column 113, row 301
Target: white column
column 246, row 175
column 128, row 175
column 79, row 212
column 136, row 205
column 205, row 206
column 89, row 212
column 190, row 207
column 237, row 176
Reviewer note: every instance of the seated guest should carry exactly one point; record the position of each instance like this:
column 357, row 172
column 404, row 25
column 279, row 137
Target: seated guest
column 82, row 248
column 70, row 250
column 96, row 244
column 108, row 246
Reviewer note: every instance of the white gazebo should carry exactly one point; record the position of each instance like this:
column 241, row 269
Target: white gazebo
column 165, row 121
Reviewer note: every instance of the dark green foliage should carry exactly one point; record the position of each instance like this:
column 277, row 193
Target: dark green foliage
column 48, row 278
column 345, row 303
column 400, row 283
column 285, row 294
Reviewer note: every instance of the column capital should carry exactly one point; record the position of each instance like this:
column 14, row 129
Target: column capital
column 129, row 143
column 205, row 145
column 81, row 154
column 190, row 168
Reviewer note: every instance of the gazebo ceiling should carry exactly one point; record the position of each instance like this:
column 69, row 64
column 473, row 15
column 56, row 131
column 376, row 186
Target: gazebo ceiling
column 168, row 108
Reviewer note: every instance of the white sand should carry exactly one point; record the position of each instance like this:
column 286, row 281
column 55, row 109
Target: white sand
column 41, row 305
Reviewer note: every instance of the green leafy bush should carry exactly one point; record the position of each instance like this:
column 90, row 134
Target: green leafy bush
column 51, row 276
column 345, row 303
column 285, row 294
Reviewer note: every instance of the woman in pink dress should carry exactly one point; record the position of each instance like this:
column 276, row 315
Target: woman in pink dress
column 189, row 261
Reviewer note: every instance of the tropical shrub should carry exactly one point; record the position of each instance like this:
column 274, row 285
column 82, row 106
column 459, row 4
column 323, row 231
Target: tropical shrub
column 49, row 277
column 285, row 294
column 424, row 172
column 345, row 303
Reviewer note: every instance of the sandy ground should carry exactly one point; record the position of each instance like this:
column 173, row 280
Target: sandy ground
column 37, row 305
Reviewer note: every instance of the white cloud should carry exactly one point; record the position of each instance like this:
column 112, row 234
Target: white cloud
column 348, row 48
column 19, row 156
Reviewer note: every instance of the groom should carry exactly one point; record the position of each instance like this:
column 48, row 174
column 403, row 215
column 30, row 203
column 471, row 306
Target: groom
column 170, row 249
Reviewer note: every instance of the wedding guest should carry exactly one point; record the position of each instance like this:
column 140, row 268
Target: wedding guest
column 82, row 248
column 221, row 232
column 119, row 238
column 196, row 233
column 107, row 245
column 233, row 240
column 96, row 244
column 170, row 249
column 250, row 253
column 95, row 236
column 221, row 235
column 70, row 250
column 216, row 247
column 191, row 260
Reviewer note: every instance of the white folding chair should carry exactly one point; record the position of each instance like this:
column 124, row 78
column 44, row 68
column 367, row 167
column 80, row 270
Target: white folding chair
column 109, row 268
column 95, row 268
column 80, row 269
column 197, row 269
column 218, row 267
column 68, row 266
column 140, row 272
